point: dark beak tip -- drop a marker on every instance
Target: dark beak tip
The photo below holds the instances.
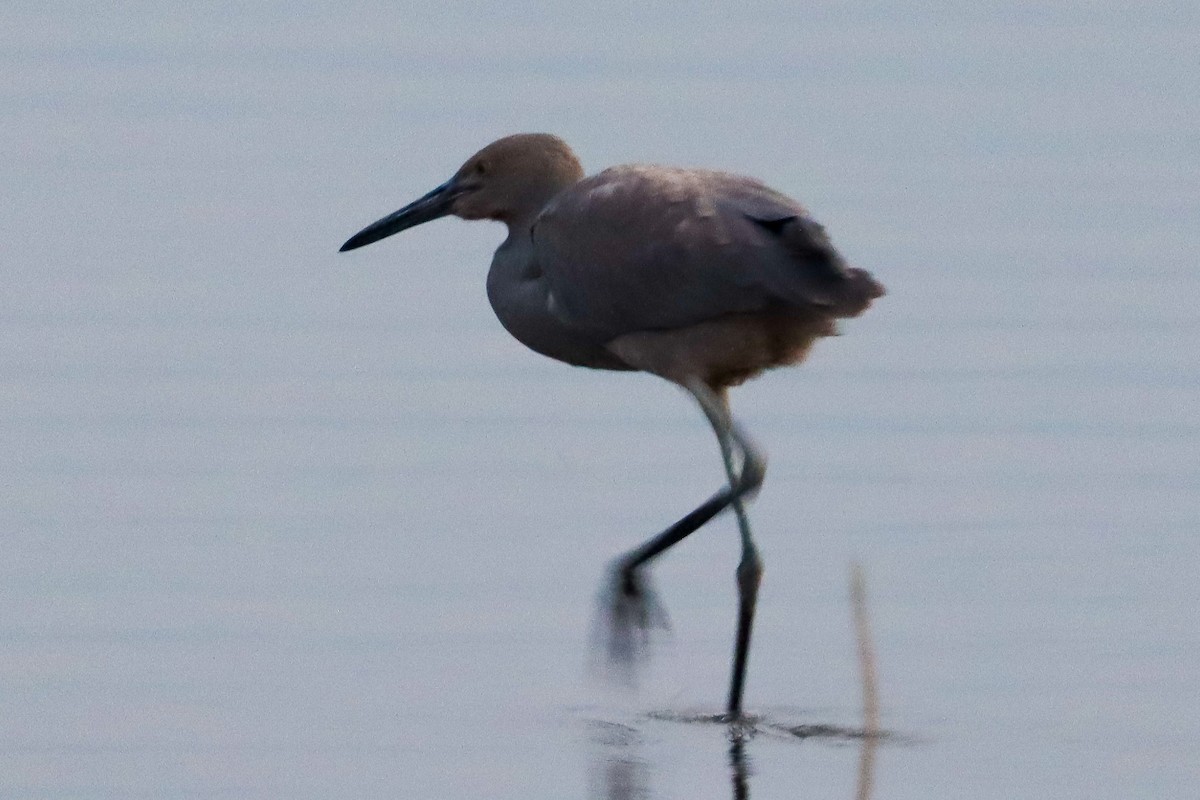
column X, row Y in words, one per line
column 435, row 204
column 361, row 239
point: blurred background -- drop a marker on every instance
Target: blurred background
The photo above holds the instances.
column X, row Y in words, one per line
column 282, row 522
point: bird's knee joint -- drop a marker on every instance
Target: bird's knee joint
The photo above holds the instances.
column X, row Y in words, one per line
column 754, row 470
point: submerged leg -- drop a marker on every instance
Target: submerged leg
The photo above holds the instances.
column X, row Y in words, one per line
column 750, row 569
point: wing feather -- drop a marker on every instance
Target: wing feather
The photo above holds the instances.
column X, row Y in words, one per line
column 638, row 248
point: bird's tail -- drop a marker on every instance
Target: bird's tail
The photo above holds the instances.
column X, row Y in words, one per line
column 825, row 278
column 857, row 289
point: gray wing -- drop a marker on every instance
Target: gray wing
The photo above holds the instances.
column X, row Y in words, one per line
column 639, row 248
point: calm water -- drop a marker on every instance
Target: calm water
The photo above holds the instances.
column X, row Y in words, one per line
column 280, row 522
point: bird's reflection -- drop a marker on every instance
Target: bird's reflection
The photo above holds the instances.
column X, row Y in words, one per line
column 625, row 779
column 618, row 771
column 624, row 770
column 738, row 768
column 621, row 772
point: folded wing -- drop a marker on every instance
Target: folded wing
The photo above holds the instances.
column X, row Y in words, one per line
column 639, row 248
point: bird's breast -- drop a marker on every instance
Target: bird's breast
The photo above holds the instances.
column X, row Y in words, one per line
column 526, row 306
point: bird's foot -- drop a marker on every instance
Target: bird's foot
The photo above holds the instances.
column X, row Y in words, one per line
column 632, row 612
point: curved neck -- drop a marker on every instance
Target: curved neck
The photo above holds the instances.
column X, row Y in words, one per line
column 524, row 206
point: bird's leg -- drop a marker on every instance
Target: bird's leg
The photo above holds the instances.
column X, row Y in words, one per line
column 632, row 607
column 750, row 568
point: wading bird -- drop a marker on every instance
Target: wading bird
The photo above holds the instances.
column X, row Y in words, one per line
column 703, row 278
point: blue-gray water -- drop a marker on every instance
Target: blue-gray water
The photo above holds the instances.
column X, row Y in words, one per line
column 279, row 522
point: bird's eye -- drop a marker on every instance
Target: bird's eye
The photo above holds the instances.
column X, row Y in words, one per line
column 480, row 168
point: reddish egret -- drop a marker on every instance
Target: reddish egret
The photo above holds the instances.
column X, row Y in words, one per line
column 702, row 278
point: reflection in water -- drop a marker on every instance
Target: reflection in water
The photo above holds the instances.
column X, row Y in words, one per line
column 737, row 766
column 618, row 773
column 866, row 765
column 622, row 771
column 625, row 779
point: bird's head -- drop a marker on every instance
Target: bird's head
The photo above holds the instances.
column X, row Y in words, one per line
column 510, row 180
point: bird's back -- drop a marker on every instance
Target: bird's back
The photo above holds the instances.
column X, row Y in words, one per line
column 647, row 248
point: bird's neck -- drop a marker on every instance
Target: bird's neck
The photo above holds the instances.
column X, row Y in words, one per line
column 520, row 223
column 523, row 207
column 514, row 257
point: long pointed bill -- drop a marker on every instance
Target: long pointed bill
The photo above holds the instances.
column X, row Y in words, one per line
column 433, row 205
